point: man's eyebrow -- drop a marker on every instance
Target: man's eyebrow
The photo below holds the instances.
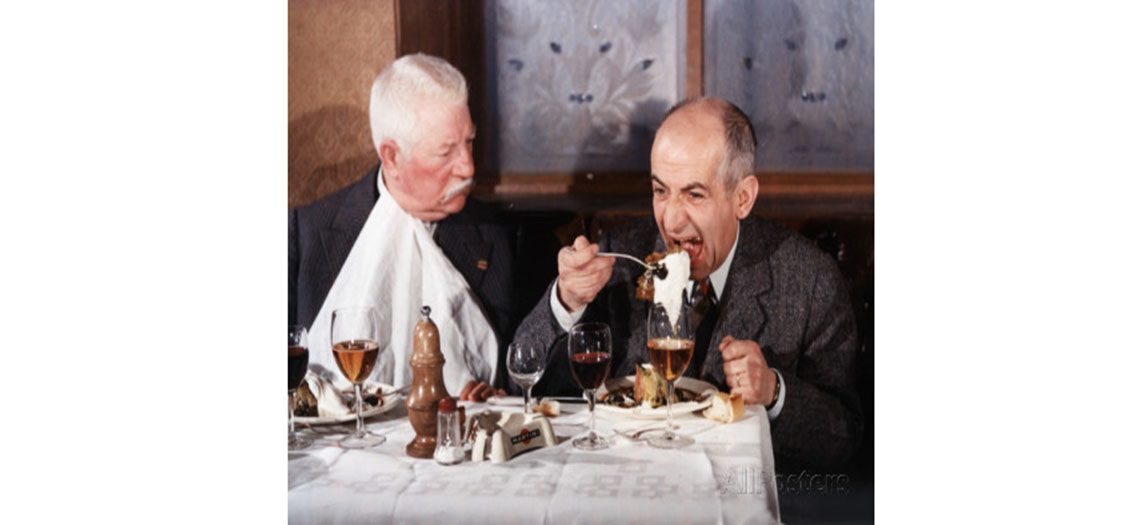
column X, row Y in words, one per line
column 695, row 186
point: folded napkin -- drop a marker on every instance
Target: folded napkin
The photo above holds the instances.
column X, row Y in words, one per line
column 328, row 399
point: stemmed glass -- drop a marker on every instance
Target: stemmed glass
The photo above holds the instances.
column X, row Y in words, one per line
column 590, row 350
column 298, row 365
column 355, row 346
column 670, row 345
column 526, row 363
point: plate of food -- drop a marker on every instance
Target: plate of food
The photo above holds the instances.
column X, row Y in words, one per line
column 320, row 403
column 645, row 399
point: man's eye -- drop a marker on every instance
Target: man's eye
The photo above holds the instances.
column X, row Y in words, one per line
column 658, row 191
column 695, row 195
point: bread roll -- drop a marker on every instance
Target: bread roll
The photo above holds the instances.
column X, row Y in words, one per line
column 724, row 409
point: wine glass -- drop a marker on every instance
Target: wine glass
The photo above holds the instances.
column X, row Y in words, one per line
column 590, row 350
column 355, row 345
column 670, row 345
column 298, row 365
column 526, row 363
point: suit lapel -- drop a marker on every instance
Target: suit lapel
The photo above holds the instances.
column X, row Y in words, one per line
column 336, row 240
column 742, row 311
column 462, row 242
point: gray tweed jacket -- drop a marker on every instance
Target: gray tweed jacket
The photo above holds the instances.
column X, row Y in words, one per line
column 781, row 292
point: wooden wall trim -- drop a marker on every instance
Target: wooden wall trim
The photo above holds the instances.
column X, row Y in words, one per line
column 813, row 183
column 780, row 194
column 693, row 84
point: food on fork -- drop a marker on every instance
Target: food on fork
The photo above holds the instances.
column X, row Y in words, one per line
column 645, row 286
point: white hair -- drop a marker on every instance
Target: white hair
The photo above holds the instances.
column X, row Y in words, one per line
column 401, row 86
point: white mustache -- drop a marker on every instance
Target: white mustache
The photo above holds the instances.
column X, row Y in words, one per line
column 449, row 194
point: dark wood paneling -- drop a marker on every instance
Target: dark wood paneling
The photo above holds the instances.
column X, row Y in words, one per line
column 453, row 30
column 693, row 84
column 800, row 195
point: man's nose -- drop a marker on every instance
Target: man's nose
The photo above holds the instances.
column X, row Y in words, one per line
column 675, row 218
column 464, row 167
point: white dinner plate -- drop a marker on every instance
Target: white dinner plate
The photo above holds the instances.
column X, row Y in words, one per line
column 389, row 402
column 643, row 412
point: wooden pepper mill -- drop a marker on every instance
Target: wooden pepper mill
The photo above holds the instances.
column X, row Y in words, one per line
column 427, row 387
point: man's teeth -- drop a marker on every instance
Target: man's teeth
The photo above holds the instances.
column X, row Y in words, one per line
column 692, row 246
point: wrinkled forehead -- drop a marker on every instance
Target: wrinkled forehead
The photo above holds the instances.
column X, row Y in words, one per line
column 689, row 140
column 441, row 122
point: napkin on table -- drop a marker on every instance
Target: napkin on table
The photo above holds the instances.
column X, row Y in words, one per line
column 328, row 399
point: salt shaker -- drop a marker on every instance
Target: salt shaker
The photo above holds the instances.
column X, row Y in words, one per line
column 449, row 451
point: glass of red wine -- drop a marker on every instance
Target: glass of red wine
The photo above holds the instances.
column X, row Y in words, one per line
column 355, row 345
column 670, row 345
column 298, row 365
column 589, row 348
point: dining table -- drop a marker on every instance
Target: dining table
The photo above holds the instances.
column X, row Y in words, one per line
column 725, row 476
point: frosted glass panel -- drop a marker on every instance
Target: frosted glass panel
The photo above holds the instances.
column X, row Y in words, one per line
column 803, row 70
column 580, row 85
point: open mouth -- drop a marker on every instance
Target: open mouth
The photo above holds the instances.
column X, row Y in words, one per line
column 694, row 248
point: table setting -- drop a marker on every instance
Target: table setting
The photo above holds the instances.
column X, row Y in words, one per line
column 651, row 447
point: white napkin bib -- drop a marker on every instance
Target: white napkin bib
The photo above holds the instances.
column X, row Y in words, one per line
column 396, row 267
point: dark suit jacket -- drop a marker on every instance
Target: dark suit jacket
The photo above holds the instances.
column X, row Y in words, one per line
column 781, row 292
column 322, row 234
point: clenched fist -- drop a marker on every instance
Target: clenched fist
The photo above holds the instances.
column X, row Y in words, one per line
column 747, row 373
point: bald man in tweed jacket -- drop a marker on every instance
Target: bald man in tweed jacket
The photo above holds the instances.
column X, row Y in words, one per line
column 785, row 335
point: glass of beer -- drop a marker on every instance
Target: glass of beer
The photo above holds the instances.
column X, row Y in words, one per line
column 298, row 365
column 590, row 351
column 670, row 345
column 355, row 345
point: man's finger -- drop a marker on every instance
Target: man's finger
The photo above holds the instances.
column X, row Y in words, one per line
column 734, row 351
column 475, row 395
column 465, row 392
column 734, row 368
column 577, row 258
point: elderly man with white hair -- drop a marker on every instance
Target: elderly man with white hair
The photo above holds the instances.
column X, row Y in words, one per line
column 408, row 234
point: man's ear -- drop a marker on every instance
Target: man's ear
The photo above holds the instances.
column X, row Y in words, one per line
column 391, row 157
column 745, row 193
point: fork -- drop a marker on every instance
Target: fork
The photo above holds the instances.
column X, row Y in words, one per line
column 636, row 434
column 658, row 268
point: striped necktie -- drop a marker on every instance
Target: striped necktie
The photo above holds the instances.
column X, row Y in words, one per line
column 706, row 313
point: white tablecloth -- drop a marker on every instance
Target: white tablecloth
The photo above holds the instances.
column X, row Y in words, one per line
column 727, row 476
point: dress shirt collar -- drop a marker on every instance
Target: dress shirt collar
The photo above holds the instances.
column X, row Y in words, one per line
column 719, row 276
